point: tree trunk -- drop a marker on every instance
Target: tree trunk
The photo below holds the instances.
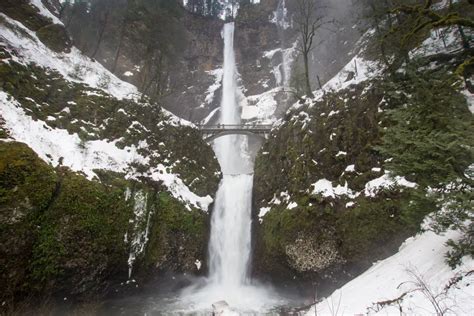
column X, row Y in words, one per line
column 73, row 11
column 465, row 41
column 309, row 93
column 119, row 47
column 156, row 78
column 61, row 11
column 101, row 34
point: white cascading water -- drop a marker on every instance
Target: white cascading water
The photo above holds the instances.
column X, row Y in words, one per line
column 230, row 241
column 229, row 247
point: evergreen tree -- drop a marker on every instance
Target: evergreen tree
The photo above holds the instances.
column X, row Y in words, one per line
column 214, row 8
column 430, row 140
column 197, row 6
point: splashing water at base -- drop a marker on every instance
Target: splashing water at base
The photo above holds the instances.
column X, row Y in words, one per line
column 229, row 254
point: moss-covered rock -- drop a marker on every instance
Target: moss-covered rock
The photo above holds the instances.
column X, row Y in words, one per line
column 178, row 237
column 59, row 232
column 64, row 235
column 27, row 187
column 81, row 237
column 55, row 37
column 308, row 235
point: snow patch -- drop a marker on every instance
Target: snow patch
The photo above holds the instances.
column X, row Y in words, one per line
column 442, row 40
column 263, row 212
column 260, row 107
column 292, row 205
column 361, row 69
column 326, row 189
column 269, row 54
column 386, row 182
column 211, row 91
column 198, row 264
column 350, row 168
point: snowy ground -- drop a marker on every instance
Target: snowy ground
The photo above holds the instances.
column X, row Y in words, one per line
column 419, row 262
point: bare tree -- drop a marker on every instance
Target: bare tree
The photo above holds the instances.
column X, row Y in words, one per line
column 103, row 21
column 440, row 299
column 307, row 20
column 125, row 23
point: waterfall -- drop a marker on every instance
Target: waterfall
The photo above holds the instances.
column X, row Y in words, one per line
column 229, row 247
column 230, row 240
column 283, row 23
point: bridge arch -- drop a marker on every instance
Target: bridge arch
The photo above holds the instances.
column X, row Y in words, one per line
column 209, row 138
column 212, row 132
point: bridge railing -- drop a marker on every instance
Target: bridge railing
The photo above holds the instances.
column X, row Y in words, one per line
column 218, row 127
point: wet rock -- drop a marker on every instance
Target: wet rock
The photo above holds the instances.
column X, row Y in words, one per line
column 222, row 308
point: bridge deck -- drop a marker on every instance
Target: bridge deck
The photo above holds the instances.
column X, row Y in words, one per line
column 236, row 128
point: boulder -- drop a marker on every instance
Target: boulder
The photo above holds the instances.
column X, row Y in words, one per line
column 221, row 308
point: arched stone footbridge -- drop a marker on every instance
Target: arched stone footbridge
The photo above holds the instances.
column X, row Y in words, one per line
column 211, row 132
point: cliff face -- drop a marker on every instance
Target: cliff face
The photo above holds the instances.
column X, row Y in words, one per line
column 197, row 70
column 188, row 81
column 179, row 79
column 256, row 35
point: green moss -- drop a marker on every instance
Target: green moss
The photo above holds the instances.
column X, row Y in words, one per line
column 367, row 231
column 58, row 230
column 82, row 231
column 55, row 37
column 26, row 182
column 175, row 230
column 27, row 187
